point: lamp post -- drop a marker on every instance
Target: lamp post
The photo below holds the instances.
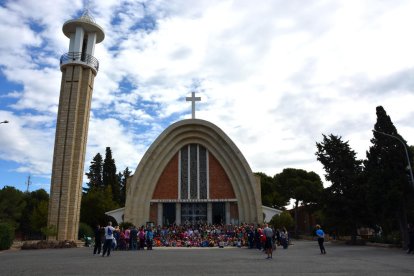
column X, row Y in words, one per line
column 406, row 153
column 4, row 122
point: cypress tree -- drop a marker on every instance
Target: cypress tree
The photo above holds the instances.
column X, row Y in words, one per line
column 95, row 173
column 110, row 177
column 123, row 181
column 344, row 201
column 386, row 172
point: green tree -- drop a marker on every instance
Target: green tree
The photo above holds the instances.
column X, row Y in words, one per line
column 123, row 183
column 95, row 173
column 303, row 187
column 344, row 202
column 271, row 192
column 110, row 177
column 386, row 170
column 38, row 218
column 12, row 203
column 6, row 235
column 282, row 220
column 34, row 215
column 94, row 205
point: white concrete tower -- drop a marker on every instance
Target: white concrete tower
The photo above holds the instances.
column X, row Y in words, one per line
column 79, row 68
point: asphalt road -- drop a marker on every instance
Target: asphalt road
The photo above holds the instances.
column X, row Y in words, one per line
column 302, row 258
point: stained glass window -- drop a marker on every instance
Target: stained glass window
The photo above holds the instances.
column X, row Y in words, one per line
column 193, row 171
column 203, row 171
column 184, row 172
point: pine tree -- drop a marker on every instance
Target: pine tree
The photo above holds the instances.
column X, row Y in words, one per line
column 386, row 172
column 302, row 186
column 344, row 200
column 124, row 177
column 95, row 173
column 110, row 177
column 272, row 195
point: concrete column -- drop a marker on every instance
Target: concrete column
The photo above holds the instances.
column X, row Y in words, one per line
column 178, row 213
column 209, row 213
column 72, row 42
column 159, row 214
column 77, row 46
column 90, row 47
column 227, row 207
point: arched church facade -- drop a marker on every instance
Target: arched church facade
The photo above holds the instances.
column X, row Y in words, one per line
column 193, row 173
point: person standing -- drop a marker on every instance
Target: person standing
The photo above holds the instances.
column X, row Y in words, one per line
column 127, row 233
column 98, row 240
column 149, row 237
column 284, row 238
column 250, row 237
column 141, row 236
column 411, row 238
column 109, row 236
column 133, row 238
column 268, row 233
column 321, row 238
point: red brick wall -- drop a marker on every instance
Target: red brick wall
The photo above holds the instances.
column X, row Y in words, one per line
column 154, row 213
column 167, row 185
column 220, row 186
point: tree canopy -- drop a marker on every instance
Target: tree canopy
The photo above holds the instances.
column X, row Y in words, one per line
column 95, row 173
column 106, row 189
column 344, row 202
column 388, row 185
column 272, row 192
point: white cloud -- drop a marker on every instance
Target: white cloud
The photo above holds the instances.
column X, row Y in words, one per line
column 273, row 76
column 28, row 141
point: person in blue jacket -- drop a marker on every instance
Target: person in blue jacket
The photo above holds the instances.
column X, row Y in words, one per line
column 321, row 238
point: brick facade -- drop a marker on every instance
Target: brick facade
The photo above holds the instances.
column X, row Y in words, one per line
column 167, row 184
column 220, row 185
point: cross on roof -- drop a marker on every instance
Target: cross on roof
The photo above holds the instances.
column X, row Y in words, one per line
column 193, row 99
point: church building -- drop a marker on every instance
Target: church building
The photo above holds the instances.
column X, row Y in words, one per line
column 192, row 173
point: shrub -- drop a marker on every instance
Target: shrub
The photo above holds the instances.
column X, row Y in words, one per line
column 49, row 231
column 391, row 238
column 282, row 220
column 84, row 230
column 48, row 244
column 6, row 236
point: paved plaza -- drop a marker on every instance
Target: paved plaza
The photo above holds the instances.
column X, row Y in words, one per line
column 302, row 258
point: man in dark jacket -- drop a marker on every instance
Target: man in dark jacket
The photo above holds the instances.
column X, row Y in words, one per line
column 98, row 240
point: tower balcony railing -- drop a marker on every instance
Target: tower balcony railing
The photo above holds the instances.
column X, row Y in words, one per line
column 80, row 58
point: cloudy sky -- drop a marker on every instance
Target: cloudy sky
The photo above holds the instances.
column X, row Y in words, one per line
column 274, row 75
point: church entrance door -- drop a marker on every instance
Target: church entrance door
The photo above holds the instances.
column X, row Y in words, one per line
column 219, row 213
column 193, row 213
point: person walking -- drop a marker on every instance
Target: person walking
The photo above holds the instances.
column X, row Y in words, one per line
column 109, row 236
column 268, row 232
column 321, row 238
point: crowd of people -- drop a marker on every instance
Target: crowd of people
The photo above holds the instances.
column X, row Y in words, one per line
column 202, row 235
